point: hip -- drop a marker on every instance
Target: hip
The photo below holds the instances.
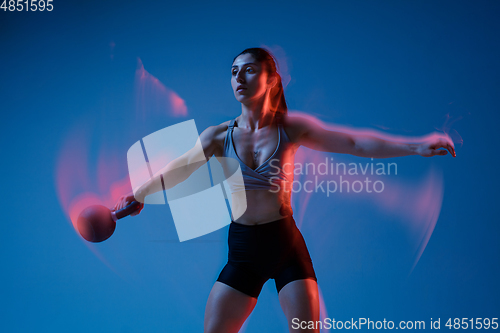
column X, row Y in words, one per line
column 271, row 242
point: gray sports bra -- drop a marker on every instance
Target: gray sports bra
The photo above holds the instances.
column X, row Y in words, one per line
column 267, row 175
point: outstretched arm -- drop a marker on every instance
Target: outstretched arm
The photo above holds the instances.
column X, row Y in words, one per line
column 176, row 171
column 366, row 143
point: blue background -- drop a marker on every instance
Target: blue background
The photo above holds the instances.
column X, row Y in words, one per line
column 398, row 65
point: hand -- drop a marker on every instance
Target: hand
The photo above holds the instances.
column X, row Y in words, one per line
column 432, row 144
column 124, row 201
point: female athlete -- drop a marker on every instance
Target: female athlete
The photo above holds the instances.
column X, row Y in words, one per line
column 264, row 242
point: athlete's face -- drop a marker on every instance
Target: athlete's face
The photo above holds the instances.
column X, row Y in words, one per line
column 249, row 78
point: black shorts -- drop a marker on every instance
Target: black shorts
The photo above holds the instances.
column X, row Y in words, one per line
column 274, row 250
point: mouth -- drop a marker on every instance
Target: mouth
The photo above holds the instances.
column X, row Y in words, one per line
column 240, row 88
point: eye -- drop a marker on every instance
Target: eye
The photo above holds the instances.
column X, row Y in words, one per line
column 250, row 69
column 233, row 72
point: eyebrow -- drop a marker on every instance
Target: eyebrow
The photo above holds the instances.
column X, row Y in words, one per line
column 248, row 63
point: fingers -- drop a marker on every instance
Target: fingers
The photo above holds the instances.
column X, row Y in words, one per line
column 452, row 150
column 440, row 143
column 443, row 144
column 138, row 210
column 124, row 201
column 121, row 203
column 447, row 146
column 117, row 204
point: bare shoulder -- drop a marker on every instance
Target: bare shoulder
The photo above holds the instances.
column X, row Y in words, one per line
column 212, row 138
column 295, row 126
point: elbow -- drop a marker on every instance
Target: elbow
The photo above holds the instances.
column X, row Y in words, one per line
column 360, row 147
column 357, row 147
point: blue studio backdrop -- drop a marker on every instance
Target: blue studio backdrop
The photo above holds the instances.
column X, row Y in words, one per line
column 84, row 81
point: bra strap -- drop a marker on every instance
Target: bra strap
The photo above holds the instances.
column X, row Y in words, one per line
column 231, row 124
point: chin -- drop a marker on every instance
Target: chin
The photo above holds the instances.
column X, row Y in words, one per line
column 240, row 98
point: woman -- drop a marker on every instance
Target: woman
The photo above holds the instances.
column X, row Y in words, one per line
column 264, row 241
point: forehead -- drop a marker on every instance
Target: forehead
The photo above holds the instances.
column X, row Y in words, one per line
column 245, row 59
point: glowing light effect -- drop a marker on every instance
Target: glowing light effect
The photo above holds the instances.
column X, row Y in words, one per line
column 282, row 63
column 416, row 204
column 153, row 97
column 76, row 189
column 80, row 185
column 446, row 128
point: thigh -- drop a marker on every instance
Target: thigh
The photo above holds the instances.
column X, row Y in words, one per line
column 299, row 299
column 227, row 309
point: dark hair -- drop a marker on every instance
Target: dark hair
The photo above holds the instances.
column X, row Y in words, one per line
column 277, row 95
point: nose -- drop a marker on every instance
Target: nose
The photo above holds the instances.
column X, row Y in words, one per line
column 239, row 77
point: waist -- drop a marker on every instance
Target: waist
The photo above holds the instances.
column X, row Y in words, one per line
column 258, row 207
column 279, row 231
column 268, row 240
column 266, row 225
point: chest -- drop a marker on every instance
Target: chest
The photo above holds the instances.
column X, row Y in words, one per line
column 255, row 147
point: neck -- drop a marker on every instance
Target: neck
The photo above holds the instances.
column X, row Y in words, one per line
column 256, row 114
